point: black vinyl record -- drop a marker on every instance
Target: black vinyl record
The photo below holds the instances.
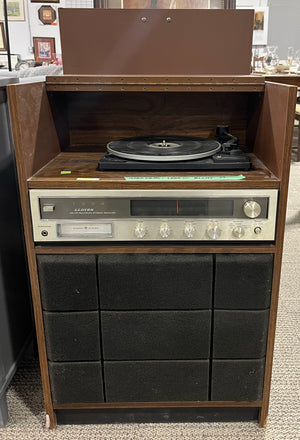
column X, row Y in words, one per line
column 163, row 148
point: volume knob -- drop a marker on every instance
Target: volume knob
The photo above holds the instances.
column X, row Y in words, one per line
column 213, row 231
column 140, row 230
column 164, row 230
column 252, row 209
column 238, row 232
column 189, row 230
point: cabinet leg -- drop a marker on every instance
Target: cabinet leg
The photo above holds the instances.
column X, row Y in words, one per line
column 263, row 417
column 50, row 422
column 3, row 411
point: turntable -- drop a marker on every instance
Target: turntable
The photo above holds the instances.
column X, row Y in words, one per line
column 169, row 152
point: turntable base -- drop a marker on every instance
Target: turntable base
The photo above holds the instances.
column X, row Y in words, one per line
column 221, row 161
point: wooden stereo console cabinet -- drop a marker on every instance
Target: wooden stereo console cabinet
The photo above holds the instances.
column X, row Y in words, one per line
column 147, row 331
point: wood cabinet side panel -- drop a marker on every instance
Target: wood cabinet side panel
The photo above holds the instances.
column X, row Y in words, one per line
column 283, row 158
column 275, row 126
column 34, row 132
column 22, row 171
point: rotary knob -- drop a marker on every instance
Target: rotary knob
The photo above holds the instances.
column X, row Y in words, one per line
column 189, row 230
column 213, row 231
column 164, row 230
column 140, row 230
column 252, row 209
column 238, row 232
column 257, row 230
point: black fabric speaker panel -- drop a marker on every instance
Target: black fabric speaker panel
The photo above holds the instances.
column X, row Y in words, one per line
column 76, row 382
column 240, row 334
column 146, row 381
column 156, row 281
column 156, row 335
column 237, row 379
column 68, row 282
column 243, row 281
column 72, row 336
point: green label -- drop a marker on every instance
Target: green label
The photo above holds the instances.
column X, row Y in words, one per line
column 65, row 172
column 183, row 178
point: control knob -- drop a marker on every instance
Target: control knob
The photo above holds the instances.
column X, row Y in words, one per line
column 252, row 209
column 164, row 230
column 213, row 231
column 257, row 230
column 238, row 232
column 189, row 230
column 140, row 230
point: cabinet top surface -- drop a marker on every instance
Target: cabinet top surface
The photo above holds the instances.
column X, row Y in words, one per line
column 165, row 83
column 79, row 170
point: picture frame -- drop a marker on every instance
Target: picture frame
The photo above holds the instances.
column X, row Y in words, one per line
column 2, row 38
column 47, row 14
column 260, row 25
column 44, row 49
column 15, row 10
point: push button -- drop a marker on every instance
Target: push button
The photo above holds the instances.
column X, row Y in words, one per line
column 48, row 208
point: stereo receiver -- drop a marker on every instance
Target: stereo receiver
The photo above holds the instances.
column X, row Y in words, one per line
column 153, row 215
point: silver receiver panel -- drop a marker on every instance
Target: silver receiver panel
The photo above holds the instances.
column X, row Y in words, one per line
column 153, row 215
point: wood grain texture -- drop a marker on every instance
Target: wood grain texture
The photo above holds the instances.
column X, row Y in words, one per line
column 204, row 404
column 293, row 80
column 276, row 120
column 137, row 248
column 85, row 121
column 97, row 118
column 285, row 171
column 155, row 83
column 38, row 141
column 83, row 165
column 155, row 79
column 155, row 88
column 16, row 102
column 169, row 49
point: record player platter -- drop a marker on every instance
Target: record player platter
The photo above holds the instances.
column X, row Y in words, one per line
column 163, row 148
column 170, row 152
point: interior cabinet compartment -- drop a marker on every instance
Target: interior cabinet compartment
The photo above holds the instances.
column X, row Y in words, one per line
column 156, row 335
column 155, row 381
column 72, row 336
column 68, row 282
column 76, row 382
column 240, row 334
column 92, row 119
column 243, row 281
column 239, row 380
column 159, row 281
column 76, row 121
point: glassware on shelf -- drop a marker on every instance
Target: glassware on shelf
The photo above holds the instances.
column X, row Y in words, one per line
column 295, row 65
column 257, row 60
column 290, row 57
column 271, row 60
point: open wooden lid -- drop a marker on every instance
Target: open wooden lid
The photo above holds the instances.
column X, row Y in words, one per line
column 156, row 41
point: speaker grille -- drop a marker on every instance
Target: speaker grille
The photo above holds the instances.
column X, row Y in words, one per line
column 68, row 282
column 237, row 379
column 159, row 281
column 243, row 281
column 156, row 335
column 156, row 381
column 72, row 336
column 76, row 382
